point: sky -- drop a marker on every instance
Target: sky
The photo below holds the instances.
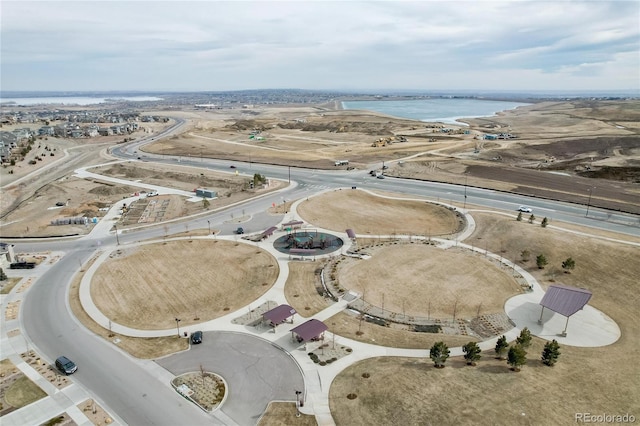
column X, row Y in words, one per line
column 320, row 45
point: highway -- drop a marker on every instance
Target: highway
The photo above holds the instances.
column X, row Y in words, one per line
column 137, row 392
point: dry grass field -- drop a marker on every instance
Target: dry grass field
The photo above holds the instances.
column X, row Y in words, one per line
column 194, row 280
column 595, row 380
column 407, row 278
column 377, row 215
column 300, row 288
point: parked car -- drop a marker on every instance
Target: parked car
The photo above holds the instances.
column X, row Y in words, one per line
column 152, row 193
column 380, row 176
column 65, row 365
column 525, row 209
column 196, row 337
column 240, row 230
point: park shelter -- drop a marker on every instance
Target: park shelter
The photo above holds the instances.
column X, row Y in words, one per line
column 310, row 330
column 278, row 315
column 565, row 301
column 351, row 234
column 269, row 232
column 294, row 224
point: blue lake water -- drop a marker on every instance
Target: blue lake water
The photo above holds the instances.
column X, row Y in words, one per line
column 75, row 100
column 442, row 110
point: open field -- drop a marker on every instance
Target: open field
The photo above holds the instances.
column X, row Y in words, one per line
column 406, row 278
column 378, row 215
column 596, row 380
column 194, row 280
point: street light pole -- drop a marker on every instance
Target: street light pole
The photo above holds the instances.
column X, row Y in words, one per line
column 289, row 174
column 117, row 239
column 178, row 325
column 209, row 223
column 588, row 202
column 298, row 403
column 465, row 192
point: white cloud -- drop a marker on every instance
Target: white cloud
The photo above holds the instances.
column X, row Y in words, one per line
column 216, row 45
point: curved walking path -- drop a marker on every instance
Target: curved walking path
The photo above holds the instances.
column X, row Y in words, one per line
column 588, row 327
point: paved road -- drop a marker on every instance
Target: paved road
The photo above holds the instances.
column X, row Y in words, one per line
column 256, row 371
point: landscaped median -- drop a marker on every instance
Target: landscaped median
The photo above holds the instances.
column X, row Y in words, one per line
column 205, row 389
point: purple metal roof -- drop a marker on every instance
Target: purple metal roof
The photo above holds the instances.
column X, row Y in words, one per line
column 279, row 314
column 269, row 231
column 302, row 251
column 310, row 329
column 565, row 300
column 293, row 223
column 350, row 233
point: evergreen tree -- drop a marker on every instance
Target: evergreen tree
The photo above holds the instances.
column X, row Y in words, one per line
column 471, row 353
column 519, row 218
column 550, row 353
column 568, row 265
column 501, row 347
column 525, row 255
column 524, row 339
column 532, row 218
column 439, row 353
column 541, row 261
column 544, row 223
column 517, row 357
column 3, row 276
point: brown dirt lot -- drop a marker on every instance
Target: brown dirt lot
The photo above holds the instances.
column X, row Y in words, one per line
column 194, row 280
column 585, row 143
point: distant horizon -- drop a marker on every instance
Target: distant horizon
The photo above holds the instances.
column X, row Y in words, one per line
column 369, row 92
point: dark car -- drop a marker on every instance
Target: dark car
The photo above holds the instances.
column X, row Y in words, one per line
column 232, row 167
column 65, row 365
column 196, row 337
column 240, row 230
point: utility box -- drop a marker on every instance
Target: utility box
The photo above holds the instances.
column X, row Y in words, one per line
column 206, row 193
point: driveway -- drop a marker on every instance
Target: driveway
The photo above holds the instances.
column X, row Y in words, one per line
column 256, row 372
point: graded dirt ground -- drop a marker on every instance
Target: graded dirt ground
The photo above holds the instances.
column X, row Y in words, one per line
column 147, row 287
column 409, row 391
column 561, row 149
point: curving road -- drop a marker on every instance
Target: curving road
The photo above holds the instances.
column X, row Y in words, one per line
column 138, row 391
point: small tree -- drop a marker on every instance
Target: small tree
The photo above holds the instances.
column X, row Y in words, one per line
column 524, row 339
column 439, row 353
column 519, row 218
column 205, row 203
column 544, row 222
column 3, row 276
column 532, row 218
column 501, row 347
column 550, row 353
column 568, row 265
column 525, row 255
column 517, row 357
column 541, row 261
column 471, row 353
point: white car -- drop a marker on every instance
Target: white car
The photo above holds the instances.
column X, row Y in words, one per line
column 525, row 209
column 152, row 194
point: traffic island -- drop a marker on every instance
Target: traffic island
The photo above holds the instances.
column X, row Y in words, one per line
column 203, row 388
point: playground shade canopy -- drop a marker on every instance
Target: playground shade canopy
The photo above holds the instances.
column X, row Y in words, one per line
column 310, row 329
column 565, row 300
column 279, row 314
